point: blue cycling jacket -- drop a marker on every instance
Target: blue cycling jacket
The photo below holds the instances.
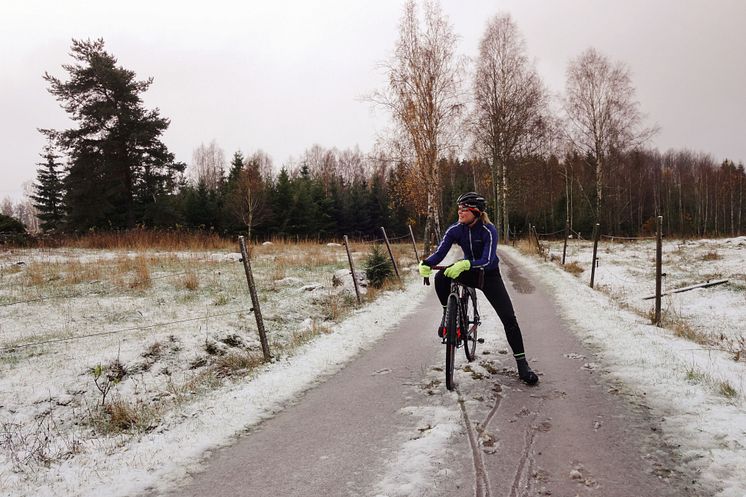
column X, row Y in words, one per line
column 478, row 242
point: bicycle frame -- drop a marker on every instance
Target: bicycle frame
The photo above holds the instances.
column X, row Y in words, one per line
column 459, row 327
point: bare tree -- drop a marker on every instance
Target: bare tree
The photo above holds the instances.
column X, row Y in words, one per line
column 424, row 96
column 264, row 163
column 352, row 165
column 510, row 103
column 322, row 164
column 247, row 199
column 208, row 165
column 27, row 213
column 7, row 208
column 602, row 113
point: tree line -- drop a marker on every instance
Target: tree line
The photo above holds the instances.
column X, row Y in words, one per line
column 588, row 163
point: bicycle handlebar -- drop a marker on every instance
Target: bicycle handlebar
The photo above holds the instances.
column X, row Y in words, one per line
column 426, row 281
column 437, row 268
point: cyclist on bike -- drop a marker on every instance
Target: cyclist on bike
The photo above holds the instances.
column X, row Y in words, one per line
column 477, row 237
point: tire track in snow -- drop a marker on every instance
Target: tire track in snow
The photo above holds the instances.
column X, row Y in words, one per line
column 525, row 457
column 482, row 484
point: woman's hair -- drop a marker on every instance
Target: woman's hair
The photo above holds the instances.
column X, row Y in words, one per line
column 485, row 218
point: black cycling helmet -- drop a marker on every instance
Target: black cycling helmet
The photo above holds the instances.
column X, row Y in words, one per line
column 473, row 200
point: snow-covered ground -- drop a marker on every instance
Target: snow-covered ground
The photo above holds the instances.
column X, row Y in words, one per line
column 697, row 388
column 174, row 341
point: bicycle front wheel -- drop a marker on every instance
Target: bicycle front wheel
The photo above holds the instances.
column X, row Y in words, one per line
column 451, row 339
column 471, row 323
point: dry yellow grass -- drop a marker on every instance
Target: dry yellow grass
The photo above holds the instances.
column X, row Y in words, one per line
column 573, row 268
column 77, row 272
column 234, row 362
column 140, row 239
column 711, row 256
column 37, row 274
column 141, row 278
column 121, row 416
column 190, row 281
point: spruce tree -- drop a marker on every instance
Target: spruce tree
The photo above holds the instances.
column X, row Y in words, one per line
column 47, row 197
column 237, row 165
column 282, row 202
column 119, row 169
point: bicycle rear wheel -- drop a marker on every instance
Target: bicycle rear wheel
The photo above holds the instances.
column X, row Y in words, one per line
column 471, row 323
column 451, row 339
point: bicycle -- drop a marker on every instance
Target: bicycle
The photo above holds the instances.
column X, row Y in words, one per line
column 461, row 323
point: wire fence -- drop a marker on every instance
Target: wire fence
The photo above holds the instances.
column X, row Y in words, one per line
column 96, row 293
column 551, row 234
column 14, row 348
column 102, row 292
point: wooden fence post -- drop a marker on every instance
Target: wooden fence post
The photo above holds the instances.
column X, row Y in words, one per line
column 414, row 244
column 391, row 254
column 254, row 299
column 658, row 268
column 567, row 234
column 539, row 250
column 352, row 270
column 596, row 234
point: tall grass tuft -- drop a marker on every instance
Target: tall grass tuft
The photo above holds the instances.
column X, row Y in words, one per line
column 142, row 239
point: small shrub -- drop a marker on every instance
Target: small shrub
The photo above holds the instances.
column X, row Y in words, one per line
column 221, row 299
column 235, row 362
column 373, row 293
column 378, row 267
column 106, row 377
column 142, row 275
column 233, row 340
column 212, row 348
column 694, row 376
column 122, row 416
column 711, row 256
column 190, row 281
column 727, row 390
column 573, row 268
column 336, row 306
column 35, row 274
column 198, row 362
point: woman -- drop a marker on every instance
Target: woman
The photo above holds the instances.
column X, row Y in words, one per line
column 477, row 237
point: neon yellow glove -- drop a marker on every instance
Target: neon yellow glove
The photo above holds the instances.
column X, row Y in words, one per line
column 457, row 269
column 425, row 270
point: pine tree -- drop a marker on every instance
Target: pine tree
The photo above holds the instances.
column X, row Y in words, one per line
column 119, row 169
column 237, row 165
column 282, row 203
column 48, row 191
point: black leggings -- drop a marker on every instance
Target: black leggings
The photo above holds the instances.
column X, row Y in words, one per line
column 497, row 295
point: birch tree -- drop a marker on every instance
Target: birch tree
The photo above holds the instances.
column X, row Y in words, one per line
column 602, row 113
column 208, row 166
column 510, row 103
column 424, row 97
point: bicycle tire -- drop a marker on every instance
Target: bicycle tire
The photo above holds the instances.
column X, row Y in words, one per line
column 451, row 340
column 470, row 316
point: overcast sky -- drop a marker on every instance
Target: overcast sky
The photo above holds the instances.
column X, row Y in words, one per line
column 282, row 75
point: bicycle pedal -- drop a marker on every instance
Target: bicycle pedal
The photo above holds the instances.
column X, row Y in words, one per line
column 480, row 340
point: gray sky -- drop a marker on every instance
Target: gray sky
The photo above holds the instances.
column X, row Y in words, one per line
column 281, row 75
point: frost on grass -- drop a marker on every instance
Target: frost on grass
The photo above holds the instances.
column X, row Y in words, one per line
column 160, row 339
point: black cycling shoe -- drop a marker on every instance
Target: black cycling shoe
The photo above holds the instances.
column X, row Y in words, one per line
column 442, row 328
column 525, row 373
